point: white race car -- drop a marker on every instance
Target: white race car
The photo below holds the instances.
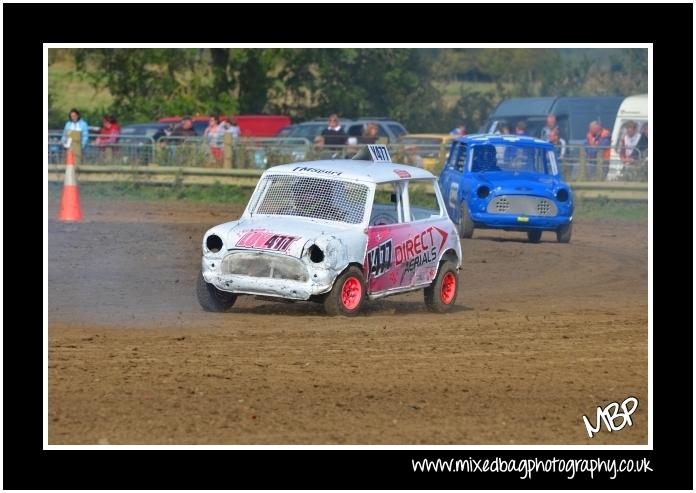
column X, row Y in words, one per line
column 336, row 232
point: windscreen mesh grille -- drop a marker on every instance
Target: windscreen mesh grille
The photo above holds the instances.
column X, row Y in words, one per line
column 317, row 198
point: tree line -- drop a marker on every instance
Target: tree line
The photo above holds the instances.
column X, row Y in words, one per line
column 413, row 86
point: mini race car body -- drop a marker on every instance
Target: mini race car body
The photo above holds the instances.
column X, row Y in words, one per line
column 506, row 182
column 337, row 232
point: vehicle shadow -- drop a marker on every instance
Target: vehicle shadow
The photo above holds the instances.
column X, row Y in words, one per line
column 521, row 239
column 309, row 309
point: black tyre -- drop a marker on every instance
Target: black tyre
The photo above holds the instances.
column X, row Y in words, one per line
column 564, row 233
column 534, row 236
column 466, row 225
column 347, row 295
column 211, row 298
column 441, row 295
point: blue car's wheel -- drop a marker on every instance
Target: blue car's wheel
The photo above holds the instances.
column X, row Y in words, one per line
column 534, row 236
column 564, row 232
column 466, row 225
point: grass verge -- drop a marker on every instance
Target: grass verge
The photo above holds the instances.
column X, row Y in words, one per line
column 601, row 208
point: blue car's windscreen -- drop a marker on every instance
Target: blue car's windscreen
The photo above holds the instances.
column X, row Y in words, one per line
column 511, row 157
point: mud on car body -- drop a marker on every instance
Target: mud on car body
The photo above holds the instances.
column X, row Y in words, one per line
column 337, row 232
column 506, row 182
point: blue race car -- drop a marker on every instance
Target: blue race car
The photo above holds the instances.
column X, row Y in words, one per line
column 506, row 182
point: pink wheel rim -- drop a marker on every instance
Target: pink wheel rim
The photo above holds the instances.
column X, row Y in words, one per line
column 351, row 293
column 449, row 287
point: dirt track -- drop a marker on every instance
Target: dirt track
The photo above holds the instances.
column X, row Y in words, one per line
column 542, row 335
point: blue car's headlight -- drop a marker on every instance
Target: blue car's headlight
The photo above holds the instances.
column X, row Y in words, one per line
column 483, row 192
column 562, row 195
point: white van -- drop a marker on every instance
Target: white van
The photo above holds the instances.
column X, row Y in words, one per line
column 633, row 108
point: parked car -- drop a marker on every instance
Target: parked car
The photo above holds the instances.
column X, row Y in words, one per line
column 387, row 130
column 337, row 232
column 142, row 136
column 140, row 130
column 506, row 182
column 431, row 148
column 312, row 128
column 285, row 131
column 249, row 125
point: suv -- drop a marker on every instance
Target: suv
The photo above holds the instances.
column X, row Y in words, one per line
column 336, row 232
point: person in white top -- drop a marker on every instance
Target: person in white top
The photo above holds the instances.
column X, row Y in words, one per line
column 230, row 125
column 628, row 143
column 558, row 142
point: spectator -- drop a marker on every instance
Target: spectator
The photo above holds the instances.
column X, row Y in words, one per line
column 351, row 147
column 642, row 145
column 558, row 143
column 370, row 134
column 412, row 157
column 597, row 137
column 521, row 128
column 214, row 137
column 75, row 122
column 319, row 143
column 108, row 137
column 459, row 130
column 160, row 137
column 232, row 127
column 511, row 152
column 628, row 143
column 333, row 134
column 110, row 130
column 550, row 126
column 185, row 128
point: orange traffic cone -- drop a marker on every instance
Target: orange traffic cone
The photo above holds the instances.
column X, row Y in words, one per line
column 70, row 200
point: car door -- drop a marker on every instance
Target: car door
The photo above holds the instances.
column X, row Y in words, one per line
column 404, row 253
column 450, row 179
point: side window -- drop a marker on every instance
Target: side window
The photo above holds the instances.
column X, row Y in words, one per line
column 422, row 198
column 385, row 207
column 452, row 155
column 460, row 164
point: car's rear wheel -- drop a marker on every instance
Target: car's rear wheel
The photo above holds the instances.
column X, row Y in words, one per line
column 347, row 295
column 466, row 225
column 441, row 295
column 564, row 233
column 211, row 298
column 534, row 236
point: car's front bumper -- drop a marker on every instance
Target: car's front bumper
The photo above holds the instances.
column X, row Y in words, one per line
column 519, row 222
column 319, row 281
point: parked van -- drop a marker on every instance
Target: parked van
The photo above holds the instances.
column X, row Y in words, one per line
column 573, row 115
column 635, row 109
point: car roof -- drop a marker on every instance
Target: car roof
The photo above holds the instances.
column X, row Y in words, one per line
column 475, row 139
column 352, row 169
